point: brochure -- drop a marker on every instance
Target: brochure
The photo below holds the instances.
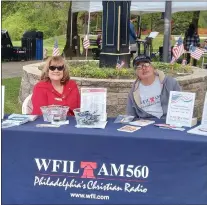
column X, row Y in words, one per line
column 128, row 128
column 201, row 129
column 14, row 122
column 204, row 115
column 30, row 117
column 2, row 101
column 8, row 123
column 141, row 122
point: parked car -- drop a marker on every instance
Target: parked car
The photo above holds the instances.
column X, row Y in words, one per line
column 8, row 51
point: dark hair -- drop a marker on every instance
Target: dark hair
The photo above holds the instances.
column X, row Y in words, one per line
column 191, row 30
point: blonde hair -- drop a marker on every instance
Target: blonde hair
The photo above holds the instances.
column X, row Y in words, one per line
column 56, row 59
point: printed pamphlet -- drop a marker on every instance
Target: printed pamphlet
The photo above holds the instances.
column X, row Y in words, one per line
column 141, row 122
column 128, row 128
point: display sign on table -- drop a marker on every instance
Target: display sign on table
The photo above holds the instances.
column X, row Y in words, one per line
column 201, row 129
column 180, row 108
column 94, row 100
column 2, row 101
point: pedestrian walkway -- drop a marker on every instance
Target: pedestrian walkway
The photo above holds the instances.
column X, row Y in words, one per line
column 14, row 69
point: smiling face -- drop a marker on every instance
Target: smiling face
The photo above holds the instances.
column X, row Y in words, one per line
column 145, row 70
column 55, row 72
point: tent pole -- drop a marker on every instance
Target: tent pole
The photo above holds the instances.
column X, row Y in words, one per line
column 167, row 32
column 71, row 29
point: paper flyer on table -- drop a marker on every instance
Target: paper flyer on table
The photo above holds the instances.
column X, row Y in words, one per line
column 2, row 101
column 94, row 100
column 180, row 108
column 201, row 129
column 204, row 115
column 198, row 131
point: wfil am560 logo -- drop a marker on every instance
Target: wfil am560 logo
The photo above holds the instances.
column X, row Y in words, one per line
column 91, row 175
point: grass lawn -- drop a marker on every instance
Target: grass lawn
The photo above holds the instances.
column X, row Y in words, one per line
column 11, row 104
column 49, row 43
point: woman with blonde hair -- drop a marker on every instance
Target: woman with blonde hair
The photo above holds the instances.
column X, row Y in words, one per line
column 55, row 87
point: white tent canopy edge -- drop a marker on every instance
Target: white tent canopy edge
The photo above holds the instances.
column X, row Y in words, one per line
column 138, row 7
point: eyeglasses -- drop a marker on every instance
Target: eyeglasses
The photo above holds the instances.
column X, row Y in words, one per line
column 139, row 67
column 59, row 68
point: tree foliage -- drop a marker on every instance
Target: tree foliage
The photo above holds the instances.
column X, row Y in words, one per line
column 51, row 18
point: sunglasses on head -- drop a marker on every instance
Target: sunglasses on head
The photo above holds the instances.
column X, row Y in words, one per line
column 59, row 68
column 143, row 65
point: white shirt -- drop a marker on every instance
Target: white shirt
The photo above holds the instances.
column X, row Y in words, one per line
column 150, row 98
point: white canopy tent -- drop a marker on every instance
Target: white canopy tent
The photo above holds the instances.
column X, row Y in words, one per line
column 138, row 7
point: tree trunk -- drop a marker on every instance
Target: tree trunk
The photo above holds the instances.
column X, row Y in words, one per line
column 67, row 49
column 195, row 19
column 76, row 38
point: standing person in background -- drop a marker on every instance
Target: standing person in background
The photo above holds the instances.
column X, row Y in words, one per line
column 132, row 38
column 191, row 38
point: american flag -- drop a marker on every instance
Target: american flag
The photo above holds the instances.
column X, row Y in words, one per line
column 86, row 42
column 119, row 64
column 177, row 50
column 56, row 51
column 195, row 52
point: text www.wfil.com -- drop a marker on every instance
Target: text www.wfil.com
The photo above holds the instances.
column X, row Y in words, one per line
column 89, row 196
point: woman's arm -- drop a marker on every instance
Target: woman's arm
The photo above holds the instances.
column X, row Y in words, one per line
column 39, row 98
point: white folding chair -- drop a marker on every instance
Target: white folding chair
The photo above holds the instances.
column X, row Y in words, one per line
column 27, row 105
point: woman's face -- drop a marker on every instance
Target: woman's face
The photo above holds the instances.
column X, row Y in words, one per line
column 56, row 71
column 145, row 70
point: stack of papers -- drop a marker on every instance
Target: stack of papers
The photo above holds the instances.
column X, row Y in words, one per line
column 141, row 122
column 17, row 119
column 199, row 130
column 30, row 117
column 128, row 128
column 14, row 121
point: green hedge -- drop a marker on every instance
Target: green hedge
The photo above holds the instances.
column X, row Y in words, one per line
column 91, row 70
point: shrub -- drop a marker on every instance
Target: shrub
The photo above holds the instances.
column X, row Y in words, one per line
column 90, row 69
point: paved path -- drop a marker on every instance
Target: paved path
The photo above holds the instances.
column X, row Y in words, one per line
column 14, row 69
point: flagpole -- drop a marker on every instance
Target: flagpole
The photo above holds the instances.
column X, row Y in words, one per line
column 89, row 19
column 71, row 28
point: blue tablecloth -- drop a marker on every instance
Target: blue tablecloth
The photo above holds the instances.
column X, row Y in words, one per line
column 68, row 165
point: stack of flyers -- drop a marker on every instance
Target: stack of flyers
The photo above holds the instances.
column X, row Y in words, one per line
column 7, row 124
column 30, row 117
column 124, row 119
column 14, row 121
column 128, row 128
column 141, row 122
column 18, row 120
column 172, row 127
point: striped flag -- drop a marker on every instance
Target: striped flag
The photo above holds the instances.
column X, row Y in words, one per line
column 86, row 42
column 56, row 51
column 195, row 52
column 177, row 50
column 119, row 64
